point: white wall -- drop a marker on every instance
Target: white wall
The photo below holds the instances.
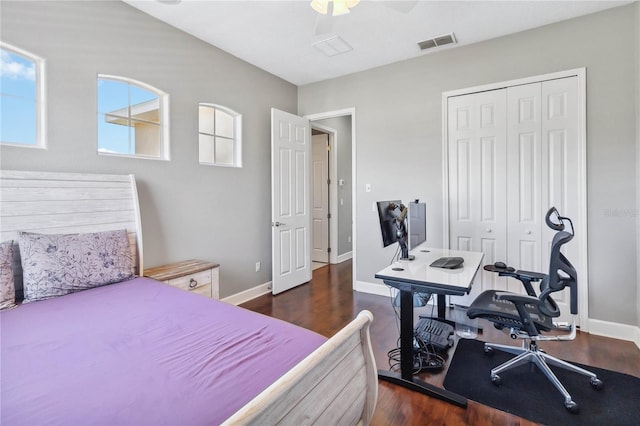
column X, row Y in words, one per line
column 399, row 145
column 188, row 210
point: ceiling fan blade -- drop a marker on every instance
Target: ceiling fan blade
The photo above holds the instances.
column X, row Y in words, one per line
column 401, row 6
column 324, row 24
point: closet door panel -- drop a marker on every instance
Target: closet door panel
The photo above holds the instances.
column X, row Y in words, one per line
column 513, row 153
column 561, row 168
column 477, row 180
column 524, row 172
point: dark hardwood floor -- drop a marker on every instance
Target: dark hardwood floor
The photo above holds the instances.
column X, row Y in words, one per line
column 327, row 303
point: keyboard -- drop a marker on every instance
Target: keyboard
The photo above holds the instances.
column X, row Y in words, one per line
column 434, row 332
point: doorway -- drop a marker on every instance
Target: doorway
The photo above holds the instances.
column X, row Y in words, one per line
column 320, row 186
column 339, row 126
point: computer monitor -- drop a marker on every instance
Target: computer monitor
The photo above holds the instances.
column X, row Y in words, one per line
column 394, row 225
column 388, row 212
column 417, row 224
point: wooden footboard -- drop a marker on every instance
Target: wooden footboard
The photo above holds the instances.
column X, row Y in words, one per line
column 336, row 384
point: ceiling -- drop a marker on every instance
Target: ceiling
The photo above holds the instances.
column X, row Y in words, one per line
column 279, row 36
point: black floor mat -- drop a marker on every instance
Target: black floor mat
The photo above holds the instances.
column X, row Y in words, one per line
column 527, row 393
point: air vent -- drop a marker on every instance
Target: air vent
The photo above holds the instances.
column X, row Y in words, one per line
column 437, row 41
column 333, row 46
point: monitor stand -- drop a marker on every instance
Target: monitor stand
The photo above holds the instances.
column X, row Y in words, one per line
column 404, row 250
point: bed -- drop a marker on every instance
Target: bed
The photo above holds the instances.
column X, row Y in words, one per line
column 137, row 351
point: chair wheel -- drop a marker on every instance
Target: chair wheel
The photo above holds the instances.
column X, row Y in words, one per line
column 488, row 350
column 496, row 380
column 572, row 407
column 596, row 383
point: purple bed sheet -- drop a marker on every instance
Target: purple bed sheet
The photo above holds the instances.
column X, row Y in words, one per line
column 139, row 352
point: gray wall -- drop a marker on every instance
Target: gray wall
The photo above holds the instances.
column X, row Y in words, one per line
column 637, row 37
column 188, row 210
column 399, row 137
column 342, row 126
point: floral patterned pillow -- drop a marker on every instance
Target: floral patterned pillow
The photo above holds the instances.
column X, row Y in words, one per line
column 58, row 264
column 7, row 289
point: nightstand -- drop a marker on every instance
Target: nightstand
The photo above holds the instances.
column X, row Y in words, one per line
column 191, row 275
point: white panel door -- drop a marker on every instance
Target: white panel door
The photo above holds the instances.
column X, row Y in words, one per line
column 477, row 181
column 561, row 170
column 501, row 183
column 290, row 184
column 320, row 198
column 524, row 183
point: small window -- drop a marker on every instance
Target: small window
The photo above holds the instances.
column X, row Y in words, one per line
column 219, row 134
column 132, row 119
column 22, row 114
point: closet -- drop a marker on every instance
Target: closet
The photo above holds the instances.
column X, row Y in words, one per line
column 511, row 153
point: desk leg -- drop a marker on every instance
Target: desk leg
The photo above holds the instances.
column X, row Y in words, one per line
column 424, row 388
column 406, row 334
column 405, row 378
column 442, row 313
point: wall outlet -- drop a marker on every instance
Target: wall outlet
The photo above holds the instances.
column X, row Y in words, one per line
column 258, row 266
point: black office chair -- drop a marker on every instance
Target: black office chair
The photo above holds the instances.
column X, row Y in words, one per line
column 526, row 316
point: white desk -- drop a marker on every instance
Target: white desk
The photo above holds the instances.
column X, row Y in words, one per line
column 416, row 275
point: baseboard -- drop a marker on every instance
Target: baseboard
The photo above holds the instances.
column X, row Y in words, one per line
column 615, row 330
column 246, row 295
column 344, row 257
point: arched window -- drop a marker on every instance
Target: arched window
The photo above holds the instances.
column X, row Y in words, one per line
column 219, row 135
column 22, row 117
column 132, row 118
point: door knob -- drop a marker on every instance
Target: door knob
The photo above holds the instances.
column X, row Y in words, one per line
column 489, row 230
column 528, row 232
column 278, row 224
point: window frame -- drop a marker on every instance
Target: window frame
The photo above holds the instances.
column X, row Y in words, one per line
column 237, row 135
column 40, row 94
column 163, row 106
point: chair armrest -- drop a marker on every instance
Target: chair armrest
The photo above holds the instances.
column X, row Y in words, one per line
column 518, row 299
column 533, row 276
column 525, row 277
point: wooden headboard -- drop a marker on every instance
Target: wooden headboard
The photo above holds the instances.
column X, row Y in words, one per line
column 67, row 203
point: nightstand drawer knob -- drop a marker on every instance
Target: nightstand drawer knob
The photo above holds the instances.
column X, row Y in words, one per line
column 193, row 283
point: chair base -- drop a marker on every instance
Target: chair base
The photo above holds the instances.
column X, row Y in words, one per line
column 535, row 355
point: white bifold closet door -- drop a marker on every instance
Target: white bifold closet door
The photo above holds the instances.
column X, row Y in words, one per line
column 513, row 153
column 477, row 152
